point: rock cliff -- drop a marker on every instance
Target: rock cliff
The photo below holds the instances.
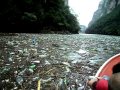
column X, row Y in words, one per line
column 105, row 7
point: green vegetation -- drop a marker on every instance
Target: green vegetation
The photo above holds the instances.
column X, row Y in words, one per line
column 108, row 24
column 38, row 15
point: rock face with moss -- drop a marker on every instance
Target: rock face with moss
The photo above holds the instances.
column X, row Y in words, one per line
column 105, row 7
column 38, row 16
column 106, row 18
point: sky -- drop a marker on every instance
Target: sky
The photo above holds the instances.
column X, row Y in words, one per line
column 84, row 9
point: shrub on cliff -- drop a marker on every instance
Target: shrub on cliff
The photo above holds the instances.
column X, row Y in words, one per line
column 108, row 24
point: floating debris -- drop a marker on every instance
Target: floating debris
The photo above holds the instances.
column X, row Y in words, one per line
column 55, row 62
column 67, row 64
column 36, row 61
column 19, row 80
column 82, row 51
column 43, row 56
column 10, row 59
column 47, row 62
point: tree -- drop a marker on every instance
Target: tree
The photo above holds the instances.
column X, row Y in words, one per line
column 38, row 15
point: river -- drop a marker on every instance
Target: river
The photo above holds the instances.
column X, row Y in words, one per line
column 60, row 62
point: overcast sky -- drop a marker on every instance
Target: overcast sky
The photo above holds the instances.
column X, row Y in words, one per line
column 84, row 9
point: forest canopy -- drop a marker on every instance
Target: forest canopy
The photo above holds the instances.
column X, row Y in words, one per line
column 38, row 15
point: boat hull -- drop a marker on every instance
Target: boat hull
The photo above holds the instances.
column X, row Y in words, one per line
column 106, row 68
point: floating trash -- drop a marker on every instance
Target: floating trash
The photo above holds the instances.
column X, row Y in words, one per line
column 7, row 80
column 19, row 80
column 12, row 53
column 81, row 88
column 33, row 51
column 30, row 70
column 47, row 63
column 39, row 85
column 67, row 64
column 15, row 88
column 32, row 66
column 56, row 63
column 36, row 61
column 43, row 56
column 82, row 51
column 11, row 43
column 10, row 59
column 35, row 78
column 67, row 69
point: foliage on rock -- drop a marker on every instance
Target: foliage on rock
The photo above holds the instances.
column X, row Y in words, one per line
column 38, row 15
column 108, row 24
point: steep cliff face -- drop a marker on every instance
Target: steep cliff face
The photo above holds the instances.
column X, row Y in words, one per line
column 106, row 19
column 105, row 7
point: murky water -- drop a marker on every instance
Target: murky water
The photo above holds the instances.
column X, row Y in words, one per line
column 60, row 62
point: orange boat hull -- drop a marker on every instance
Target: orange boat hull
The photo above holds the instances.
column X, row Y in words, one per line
column 106, row 68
